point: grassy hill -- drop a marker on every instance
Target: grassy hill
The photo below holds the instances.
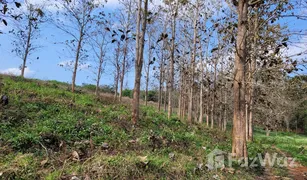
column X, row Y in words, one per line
column 47, row 132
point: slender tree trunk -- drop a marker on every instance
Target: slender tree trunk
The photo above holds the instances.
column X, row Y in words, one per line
column 146, row 88
column 184, row 108
column 117, row 73
column 172, row 62
column 239, row 148
column 148, row 70
column 267, row 130
column 207, row 95
column 221, row 97
column 79, row 46
column 252, row 79
column 165, row 97
column 201, row 104
column 139, row 59
column 125, row 55
column 122, row 76
column 116, row 85
column 213, row 95
column 190, row 109
column 162, row 72
column 27, row 50
column 225, row 109
column 201, row 98
column 99, row 72
column 180, row 94
column 160, row 83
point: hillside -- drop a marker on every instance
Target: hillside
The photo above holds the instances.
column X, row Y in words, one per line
column 47, row 132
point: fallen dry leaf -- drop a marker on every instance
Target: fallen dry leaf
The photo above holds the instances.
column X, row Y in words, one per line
column 44, row 162
column 75, row 156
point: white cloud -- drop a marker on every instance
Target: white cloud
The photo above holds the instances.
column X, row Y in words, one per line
column 17, row 72
column 298, row 49
column 112, row 4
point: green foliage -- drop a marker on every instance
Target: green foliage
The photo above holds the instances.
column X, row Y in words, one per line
column 89, row 87
column 128, row 93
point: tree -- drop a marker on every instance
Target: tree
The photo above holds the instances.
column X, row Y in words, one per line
column 26, row 31
column 100, row 40
column 125, row 20
column 149, row 62
column 140, row 38
column 116, row 64
column 239, row 147
column 192, row 66
column 79, row 15
column 174, row 10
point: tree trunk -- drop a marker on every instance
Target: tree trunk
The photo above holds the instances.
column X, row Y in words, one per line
column 267, row 131
column 162, row 72
column 239, row 148
column 190, row 108
column 116, row 85
column 180, row 93
column 201, row 98
column 207, row 95
column 221, row 97
column 160, row 89
column 117, row 73
column 122, row 76
column 165, row 98
column 225, row 110
column 201, row 104
column 139, row 59
column 99, row 72
column 125, row 55
column 74, row 75
column 172, row 62
column 252, row 79
column 161, row 82
column 24, row 64
column 147, row 70
column 213, row 95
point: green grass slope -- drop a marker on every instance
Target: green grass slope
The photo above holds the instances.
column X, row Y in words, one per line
column 293, row 145
column 46, row 132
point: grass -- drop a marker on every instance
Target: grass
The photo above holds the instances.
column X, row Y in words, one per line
column 293, row 144
column 45, row 126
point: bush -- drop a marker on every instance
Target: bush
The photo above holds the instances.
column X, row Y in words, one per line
column 107, row 89
column 90, row 87
column 127, row 93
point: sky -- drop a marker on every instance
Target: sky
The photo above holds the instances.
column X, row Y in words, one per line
column 51, row 55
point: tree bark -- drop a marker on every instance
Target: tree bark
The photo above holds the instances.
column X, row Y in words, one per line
column 180, row 93
column 148, row 70
column 125, row 54
column 122, row 76
column 225, row 110
column 190, row 108
column 74, row 76
column 172, row 62
column 139, row 59
column 99, row 72
column 239, row 148
column 117, row 73
column 24, row 64
column 252, row 79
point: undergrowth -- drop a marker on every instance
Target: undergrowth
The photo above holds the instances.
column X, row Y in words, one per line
column 47, row 132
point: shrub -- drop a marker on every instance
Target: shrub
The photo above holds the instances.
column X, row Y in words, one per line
column 127, row 93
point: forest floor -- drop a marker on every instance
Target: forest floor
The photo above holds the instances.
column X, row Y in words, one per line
column 47, row 132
